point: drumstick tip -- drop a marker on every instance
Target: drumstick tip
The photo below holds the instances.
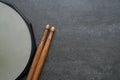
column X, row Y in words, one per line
column 52, row 29
column 47, row 26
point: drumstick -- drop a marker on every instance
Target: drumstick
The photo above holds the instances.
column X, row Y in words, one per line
column 43, row 55
column 38, row 53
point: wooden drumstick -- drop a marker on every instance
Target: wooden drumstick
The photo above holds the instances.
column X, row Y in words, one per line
column 38, row 53
column 43, row 55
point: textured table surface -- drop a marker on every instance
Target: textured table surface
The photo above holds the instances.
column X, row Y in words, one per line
column 86, row 44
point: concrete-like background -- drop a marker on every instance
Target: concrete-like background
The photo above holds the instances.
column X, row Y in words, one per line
column 86, row 44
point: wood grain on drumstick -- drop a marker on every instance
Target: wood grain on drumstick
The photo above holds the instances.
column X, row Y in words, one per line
column 38, row 53
column 43, row 55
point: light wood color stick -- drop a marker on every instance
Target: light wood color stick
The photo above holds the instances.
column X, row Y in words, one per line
column 38, row 53
column 43, row 55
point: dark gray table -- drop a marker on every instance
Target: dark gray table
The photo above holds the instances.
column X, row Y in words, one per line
column 86, row 44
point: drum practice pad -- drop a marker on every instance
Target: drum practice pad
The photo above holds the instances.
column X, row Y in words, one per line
column 17, row 43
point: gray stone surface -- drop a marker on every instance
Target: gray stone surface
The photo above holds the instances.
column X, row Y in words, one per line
column 86, row 44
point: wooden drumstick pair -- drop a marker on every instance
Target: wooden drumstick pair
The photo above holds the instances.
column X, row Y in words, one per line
column 40, row 55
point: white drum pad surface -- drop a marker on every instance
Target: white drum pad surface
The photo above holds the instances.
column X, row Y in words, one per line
column 15, row 43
